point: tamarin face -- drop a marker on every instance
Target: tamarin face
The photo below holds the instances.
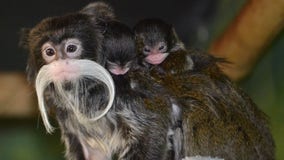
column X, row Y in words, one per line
column 155, row 40
column 64, row 50
column 118, row 48
column 67, row 37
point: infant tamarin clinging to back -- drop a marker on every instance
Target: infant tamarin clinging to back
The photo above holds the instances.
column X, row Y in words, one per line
column 218, row 118
column 119, row 48
column 157, row 42
column 121, row 61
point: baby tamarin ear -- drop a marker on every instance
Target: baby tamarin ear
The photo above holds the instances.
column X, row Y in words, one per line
column 100, row 13
column 99, row 10
column 176, row 43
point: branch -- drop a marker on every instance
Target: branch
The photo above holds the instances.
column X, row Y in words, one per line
column 243, row 42
column 17, row 98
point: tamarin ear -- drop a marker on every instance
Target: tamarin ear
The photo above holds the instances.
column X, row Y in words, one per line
column 101, row 25
column 99, row 10
column 100, row 13
column 176, row 43
column 174, row 34
column 31, row 70
column 24, row 36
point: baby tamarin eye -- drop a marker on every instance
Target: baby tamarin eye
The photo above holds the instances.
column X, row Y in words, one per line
column 146, row 50
column 162, row 47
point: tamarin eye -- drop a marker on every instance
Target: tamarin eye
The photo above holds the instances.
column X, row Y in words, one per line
column 50, row 52
column 71, row 48
column 161, row 47
column 146, row 50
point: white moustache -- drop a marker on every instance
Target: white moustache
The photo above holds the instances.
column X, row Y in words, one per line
column 61, row 71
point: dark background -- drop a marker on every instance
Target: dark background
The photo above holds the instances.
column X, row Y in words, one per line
column 186, row 15
column 198, row 23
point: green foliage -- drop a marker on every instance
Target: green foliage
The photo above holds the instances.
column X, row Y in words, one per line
column 24, row 140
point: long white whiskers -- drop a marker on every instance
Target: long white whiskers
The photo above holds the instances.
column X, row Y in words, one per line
column 43, row 79
column 86, row 68
column 101, row 74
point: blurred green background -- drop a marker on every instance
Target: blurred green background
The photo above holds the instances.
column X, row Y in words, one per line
column 26, row 139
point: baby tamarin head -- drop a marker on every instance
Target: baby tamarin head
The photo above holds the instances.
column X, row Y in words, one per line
column 118, row 47
column 156, row 40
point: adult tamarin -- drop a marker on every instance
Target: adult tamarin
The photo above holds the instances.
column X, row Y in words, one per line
column 66, row 65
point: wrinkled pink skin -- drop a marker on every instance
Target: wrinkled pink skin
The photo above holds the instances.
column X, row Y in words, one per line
column 119, row 70
column 156, row 57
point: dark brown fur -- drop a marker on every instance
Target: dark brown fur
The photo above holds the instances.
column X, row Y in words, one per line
column 218, row 118
column 128, row 131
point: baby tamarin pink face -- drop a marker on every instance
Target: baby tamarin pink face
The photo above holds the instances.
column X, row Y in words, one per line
column 156, row 40
column 156, row 54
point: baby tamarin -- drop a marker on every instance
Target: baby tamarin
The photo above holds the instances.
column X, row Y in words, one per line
column 121, row 61
column 218, row 118
column 157, row 41
column 65, row 64
column 119, row 48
